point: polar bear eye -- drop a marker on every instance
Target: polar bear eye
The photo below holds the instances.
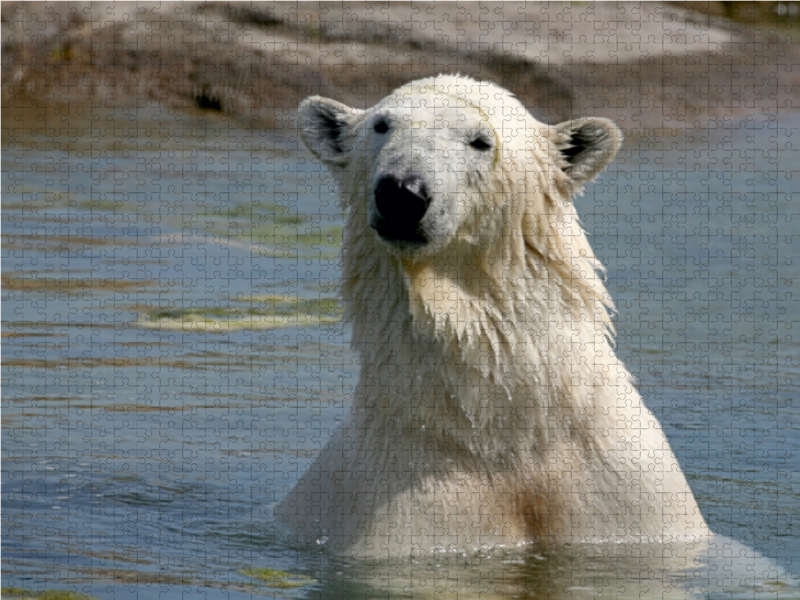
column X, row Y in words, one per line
column 381, row 126
column 480, row 144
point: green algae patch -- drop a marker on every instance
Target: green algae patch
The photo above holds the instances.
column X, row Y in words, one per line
column 775, row 583
column 273, row 578
column 13, row 593
column 262, row 312
column 277, row 229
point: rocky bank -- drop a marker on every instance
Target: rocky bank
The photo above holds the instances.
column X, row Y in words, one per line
column 647, row 66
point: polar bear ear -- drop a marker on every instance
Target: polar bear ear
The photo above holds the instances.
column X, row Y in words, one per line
column 325, row 128
column 587, row 146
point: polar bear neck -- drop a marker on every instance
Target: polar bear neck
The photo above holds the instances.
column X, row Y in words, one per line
column 498, row 355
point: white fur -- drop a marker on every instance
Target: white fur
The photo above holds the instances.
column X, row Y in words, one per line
column 491, row 408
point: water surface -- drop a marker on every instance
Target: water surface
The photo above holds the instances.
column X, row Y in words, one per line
column 173, row 359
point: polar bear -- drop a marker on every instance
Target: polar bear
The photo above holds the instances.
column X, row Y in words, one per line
column 491, row 408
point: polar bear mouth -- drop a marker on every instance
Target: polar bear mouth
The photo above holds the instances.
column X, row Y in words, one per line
column 400, row 206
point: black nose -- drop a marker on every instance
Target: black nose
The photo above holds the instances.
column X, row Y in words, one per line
column 401, row 204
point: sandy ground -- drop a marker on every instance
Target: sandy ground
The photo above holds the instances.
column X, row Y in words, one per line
column 647, row 66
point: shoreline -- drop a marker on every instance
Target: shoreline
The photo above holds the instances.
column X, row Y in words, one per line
column 647, row 67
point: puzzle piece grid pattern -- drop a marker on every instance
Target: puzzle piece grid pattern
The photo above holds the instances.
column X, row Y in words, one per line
column 141, row 455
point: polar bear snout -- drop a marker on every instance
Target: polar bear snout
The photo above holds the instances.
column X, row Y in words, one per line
column 400, row 205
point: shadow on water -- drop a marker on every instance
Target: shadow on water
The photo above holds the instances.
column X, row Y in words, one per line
column 173, row 359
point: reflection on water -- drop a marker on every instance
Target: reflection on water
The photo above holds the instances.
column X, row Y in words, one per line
column 721, row 568
column 173, row 360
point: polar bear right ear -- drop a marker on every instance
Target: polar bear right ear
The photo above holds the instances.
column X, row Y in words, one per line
column 587, row 146
column 325, row 128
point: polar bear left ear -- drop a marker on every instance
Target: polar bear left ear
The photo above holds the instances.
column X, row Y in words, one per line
column 587, row 146
column 325, row 128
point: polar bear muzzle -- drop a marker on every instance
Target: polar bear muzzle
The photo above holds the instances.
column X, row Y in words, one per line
column 400, row 205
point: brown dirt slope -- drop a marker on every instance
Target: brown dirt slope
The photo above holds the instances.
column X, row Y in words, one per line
column 644, row 65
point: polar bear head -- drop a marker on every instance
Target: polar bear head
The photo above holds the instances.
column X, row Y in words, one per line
column 433, row 159
column 451, row 184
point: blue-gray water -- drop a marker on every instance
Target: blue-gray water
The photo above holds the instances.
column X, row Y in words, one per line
column 172, row 358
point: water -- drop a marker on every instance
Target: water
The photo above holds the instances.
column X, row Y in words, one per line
column 173, row 359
